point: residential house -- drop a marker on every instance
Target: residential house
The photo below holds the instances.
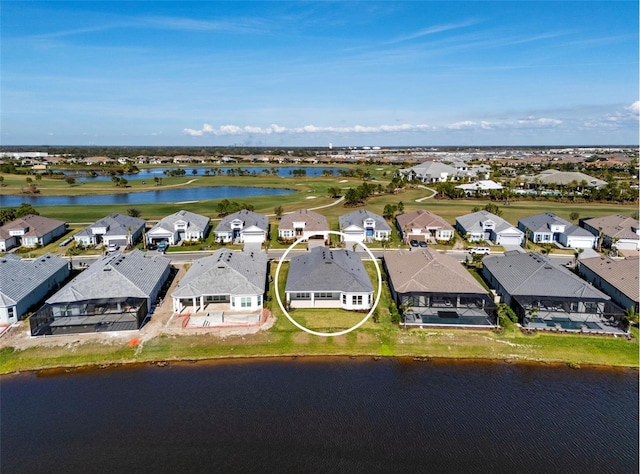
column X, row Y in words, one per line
column 483, row 225
column 328, row 278
column 480, row 188
column 423, row 225
column 116, row 293
column 433, row 288
column 114, row 229
column 566, row 178
column 617, row 278
column 430, row 172
column 30, row 231
column 546, row 295
column 618, row 230
column 243, row 227
column 304, row 223
column 548, row 228
column 25, row 283
column 179, row 226
column 363, row 226
column 228, row 287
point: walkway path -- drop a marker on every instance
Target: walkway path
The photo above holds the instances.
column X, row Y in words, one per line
column 427, row 197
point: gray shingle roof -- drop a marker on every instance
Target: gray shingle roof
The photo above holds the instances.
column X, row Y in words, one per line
column 225, row 272
column 431, row 169
column 116, row 224
column 472, row 222
column 566, row 177
column 616, row 225
column 429, row 271
column 114, row 276
column 20, row 277
column 542, row 222
column 248, row 217
column 533, row 274
column 357, row 218
column 422, row 219
column 323, row 269
column 196, row 222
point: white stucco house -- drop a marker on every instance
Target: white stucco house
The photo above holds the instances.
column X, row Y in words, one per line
column 304, row 223
column 180, row 226
column 549, row 228
column 363, row 226
column 113, row 229
column 30, row 231
column 483, row 225
column 242, row 227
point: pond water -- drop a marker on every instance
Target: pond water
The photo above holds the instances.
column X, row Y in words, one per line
column 150, row 173
column 322, row 415
column 177, row 195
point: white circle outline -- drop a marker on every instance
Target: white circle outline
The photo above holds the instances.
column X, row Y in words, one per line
column 319, row 333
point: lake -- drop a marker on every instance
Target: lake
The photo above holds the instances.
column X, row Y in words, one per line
column 150, row 173
column 322, row 415
column 177, row 195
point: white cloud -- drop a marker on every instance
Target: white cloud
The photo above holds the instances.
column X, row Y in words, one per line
column 634, row 108
column 225, row 130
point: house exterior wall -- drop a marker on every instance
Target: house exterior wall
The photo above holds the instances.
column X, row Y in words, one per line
column 577, row 242
column 616, row 295
column 8, row 244
column 343, row 300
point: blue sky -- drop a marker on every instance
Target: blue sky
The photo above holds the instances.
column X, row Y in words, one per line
column 420, row 73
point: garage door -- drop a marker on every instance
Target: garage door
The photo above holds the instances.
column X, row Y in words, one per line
column 509, row 240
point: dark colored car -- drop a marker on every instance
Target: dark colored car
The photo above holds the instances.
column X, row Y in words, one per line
column 414, row 243
column 423, row 244
column 152, row 246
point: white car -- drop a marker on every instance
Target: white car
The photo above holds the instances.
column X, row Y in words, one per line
column 112, row 247
column 480, row 251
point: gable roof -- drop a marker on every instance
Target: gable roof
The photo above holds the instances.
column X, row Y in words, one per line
column 37, row 226
column 117, row 275
column 566, row 177
column 195, row 222
column 533, row 274
column 313, row 220
column 616, row 226
column 431, row 168
column 357, row 218
column 543, row 222
column 472, row 222
column 323, row 269
column 422, row 219
column 20, row 277
column 621, row 274
column 116, row 224
column 249, row 218
column 429, row 271
column 225, row 272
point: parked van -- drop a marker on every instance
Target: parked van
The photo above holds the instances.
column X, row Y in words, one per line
column 480, row 251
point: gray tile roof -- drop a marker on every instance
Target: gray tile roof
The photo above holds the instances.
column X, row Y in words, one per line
column 313, row 220
column 38, row 226
column 226, row 272
column 621, row 274
column 533, row 274
column 566, row 177
column 429, row 271
column 431, row 169
column 195, row 221
column 249, row 219
column 20, row 277
column 472, row 222
column 422, row 219
column 134, row 274
column 116, row 224
column 542, row 222
column 323, row 269
column 357, row 218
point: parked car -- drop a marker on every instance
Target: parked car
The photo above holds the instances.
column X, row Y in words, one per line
column 422, row 243
column 480, row 251
column 163, row 246
column 414, row 243
column 112, row 247
column 152, row 246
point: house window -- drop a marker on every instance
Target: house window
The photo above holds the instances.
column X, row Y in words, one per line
column 356, row 300
column 344, row 299
column 245, row 302
column 11, row 312
column 369, row 300
column 323, row 295
column 260, row 300
column 303, row 296
column 590, row 307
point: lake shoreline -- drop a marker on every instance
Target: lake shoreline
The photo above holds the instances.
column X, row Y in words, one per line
column 315, row 358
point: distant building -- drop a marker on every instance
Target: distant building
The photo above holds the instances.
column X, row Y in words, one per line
column 622, row 230
column 179, row 226
column 244, row 227
column 304, row 223
column 24, row 283
column 483, row 225
column 547, row 228
column 564, row 178
column 363, row 226
column 423, row 225
column 480, row 187
column 430, row 172
column 113, row 229
column 30, row 231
